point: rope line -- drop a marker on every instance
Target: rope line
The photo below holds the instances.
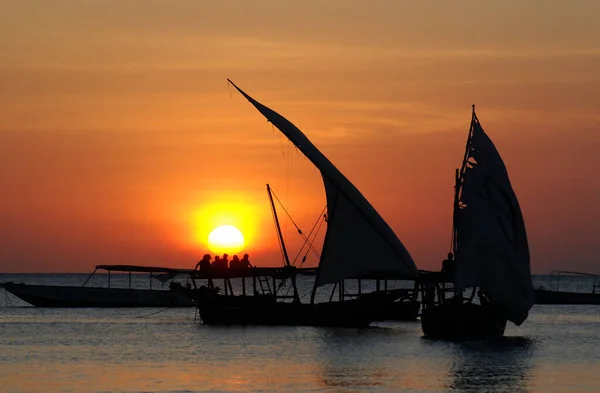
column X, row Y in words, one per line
column 319, row 221
column 295, row 225
column 154, row 313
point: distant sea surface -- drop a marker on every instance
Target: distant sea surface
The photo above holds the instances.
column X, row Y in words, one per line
column 557, row 349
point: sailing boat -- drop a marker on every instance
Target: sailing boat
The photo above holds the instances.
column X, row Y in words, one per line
column 492, row 255
column 358, row 244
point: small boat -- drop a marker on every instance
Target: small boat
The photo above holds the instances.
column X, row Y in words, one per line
column 490, row 254
column 557, row 296
column 86, row 296
column 267, row 305
column 359, row 245
column 263, row 298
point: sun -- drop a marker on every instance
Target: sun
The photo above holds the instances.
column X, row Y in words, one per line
column 225, row 239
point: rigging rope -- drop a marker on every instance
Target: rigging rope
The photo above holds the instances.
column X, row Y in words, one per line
column 286, row 212
column 280, row 143
column 154, row 313
column 303, row 296
column 293, row 222
column 319, row 221
column 287, row 189
column 318, row 255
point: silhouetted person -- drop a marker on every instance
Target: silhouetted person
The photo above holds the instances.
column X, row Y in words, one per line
column 216, row 265
column 449, row 265
column 245, row 262
column 224, row 261
column 204, row 264
column 235, row 262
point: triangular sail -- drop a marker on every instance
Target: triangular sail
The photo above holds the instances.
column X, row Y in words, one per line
column 358, row 241
column 491, row 242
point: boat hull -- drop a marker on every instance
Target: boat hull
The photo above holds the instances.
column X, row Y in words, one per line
column 462, row 321
column 393, row 305
column 544, row 296
column 218, row 309
column 399, row 311
column 69, row 296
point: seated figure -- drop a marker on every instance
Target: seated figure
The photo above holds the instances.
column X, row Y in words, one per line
column 235, row 262
column 245, row 262
column 224, row 262
column 204, row 264
column 217, row 265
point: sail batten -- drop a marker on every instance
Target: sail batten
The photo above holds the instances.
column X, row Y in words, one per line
column 358, row 240
column 491, row 241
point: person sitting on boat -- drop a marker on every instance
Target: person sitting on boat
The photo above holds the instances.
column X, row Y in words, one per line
column 225, row 261
column 216, row 265
column 245, row 262
column 204, row 264
column 235, row 262
column 449, row 265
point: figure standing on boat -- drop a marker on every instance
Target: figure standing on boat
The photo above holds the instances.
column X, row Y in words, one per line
column 449, row 266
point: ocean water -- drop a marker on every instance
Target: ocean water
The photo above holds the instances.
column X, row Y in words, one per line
column 163, row 350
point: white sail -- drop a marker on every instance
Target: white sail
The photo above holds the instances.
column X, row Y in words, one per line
column 491, row 242
column 358, row 241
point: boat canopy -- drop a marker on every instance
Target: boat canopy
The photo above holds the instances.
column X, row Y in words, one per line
column 358, row 241
column 143, row 269
column 211, row 273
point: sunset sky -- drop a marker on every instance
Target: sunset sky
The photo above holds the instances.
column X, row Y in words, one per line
column 121, row 142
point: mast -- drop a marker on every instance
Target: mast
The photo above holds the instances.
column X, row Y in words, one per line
column 279, row 234
column 468, row 144
column 458, row 179
column 282, row 245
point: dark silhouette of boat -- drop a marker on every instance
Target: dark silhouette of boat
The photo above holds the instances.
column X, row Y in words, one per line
column 557, row 296
column 265, row 299
column 359, row 245
column 486, row 280
column 109, row 296
column 270, row 308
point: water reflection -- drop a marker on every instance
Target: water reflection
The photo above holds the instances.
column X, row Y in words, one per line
column 375, row 359
column 117, row 350
column 502, row 365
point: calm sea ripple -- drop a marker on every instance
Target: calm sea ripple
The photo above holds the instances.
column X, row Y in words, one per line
column 156, row 350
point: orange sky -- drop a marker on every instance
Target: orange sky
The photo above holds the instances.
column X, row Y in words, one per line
column 118, row 130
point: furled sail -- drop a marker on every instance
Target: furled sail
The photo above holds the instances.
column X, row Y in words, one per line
column 358, row 241
column 491, row 242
